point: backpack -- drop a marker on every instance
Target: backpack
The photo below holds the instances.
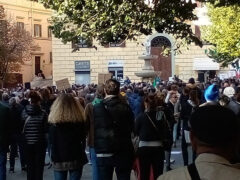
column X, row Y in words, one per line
column 165, row 131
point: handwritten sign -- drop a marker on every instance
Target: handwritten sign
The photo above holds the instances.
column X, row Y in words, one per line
column 63, row 84
column 103, row 77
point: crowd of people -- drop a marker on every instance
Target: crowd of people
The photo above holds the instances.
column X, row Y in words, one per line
column 129, row 127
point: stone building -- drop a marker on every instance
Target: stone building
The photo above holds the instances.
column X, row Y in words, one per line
column 84, row 65
column 33, row 17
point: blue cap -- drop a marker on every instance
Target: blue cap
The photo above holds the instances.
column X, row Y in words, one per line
column 211, row 93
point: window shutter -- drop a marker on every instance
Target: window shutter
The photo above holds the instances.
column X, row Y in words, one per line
column 35, row 33
column 40, row 30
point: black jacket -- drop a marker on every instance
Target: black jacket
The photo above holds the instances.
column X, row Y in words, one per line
column 184, row 114
column 113, row 125
column 68, row 141
column 36, row 127
column 4, row 126
column 16, row 112
column 145, row 129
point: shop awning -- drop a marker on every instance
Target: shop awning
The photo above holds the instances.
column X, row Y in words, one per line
column 204, row 64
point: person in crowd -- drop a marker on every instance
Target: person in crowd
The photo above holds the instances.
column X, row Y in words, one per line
column 46, row 103
column 113, row 125
column 100, row 94
column 40, row 74
column 47, row 100
column 5, row 134
column 228, row 101
column 192, row 85
column 127, row 81
column 67, row 137
column 173, row 98
column 34, row 130
column 186, row 111
column 150, row 126
column 24, row 98
column 211, row 95
column 215, row 149
column 5, row 99
column 136, row 102
column 17, row 141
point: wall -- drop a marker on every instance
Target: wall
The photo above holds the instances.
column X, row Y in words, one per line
column 63, row 60
column 31, row 13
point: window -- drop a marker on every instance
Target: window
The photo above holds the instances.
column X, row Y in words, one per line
column 50, row 57
column 37, row 30
column 49, row 32
column 20, row 26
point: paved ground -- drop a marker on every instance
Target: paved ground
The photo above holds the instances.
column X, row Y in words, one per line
column 48, row 173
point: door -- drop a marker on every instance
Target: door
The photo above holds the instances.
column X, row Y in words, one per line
column 37, row 64
column 162, row 64
column 82, row 77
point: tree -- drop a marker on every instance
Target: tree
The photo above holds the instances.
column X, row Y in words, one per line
column 119, row 20
column 224, row 33
column 15, row 46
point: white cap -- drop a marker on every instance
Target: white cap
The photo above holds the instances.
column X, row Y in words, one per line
column 229, row 92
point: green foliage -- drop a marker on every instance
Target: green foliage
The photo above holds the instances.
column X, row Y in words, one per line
column 224, row 33
column 223, row 58
column 114, row 20
column 119, row 20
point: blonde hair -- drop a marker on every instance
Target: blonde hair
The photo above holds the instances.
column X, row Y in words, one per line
column 66, row 109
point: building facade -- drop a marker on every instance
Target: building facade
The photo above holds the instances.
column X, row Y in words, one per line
column 34, row 18
column 84, row 65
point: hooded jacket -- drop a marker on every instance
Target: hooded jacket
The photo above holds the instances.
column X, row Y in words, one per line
column 113, row 125
column 4, row 125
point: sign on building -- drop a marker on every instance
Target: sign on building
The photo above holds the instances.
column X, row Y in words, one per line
column 82, row 65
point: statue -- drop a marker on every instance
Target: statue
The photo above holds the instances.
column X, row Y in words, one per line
column 148, row 47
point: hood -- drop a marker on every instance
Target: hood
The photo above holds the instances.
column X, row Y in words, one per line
column 33, row 109
column 112, row 101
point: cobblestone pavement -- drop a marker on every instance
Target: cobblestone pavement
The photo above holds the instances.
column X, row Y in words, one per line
column 48, row 173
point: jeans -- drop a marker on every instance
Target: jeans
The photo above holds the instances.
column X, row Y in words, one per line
column 122, row 163
column 151, row 157
column 62, row 175
column 94, row 163
column 35, row 156
column 17, row 141
column 3, row 162
column 175, row 126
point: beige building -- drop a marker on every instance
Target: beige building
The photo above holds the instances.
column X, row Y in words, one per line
column 84, row 65
column 33, row 17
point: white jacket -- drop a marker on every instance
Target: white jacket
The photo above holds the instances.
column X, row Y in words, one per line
column 210, row 167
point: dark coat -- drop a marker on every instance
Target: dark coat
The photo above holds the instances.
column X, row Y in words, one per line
column 113, row 125
column 36, row 127
column 5, row 119
column 68, row 141
column 16, row 112
column 136, row 103
column 145, row 129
